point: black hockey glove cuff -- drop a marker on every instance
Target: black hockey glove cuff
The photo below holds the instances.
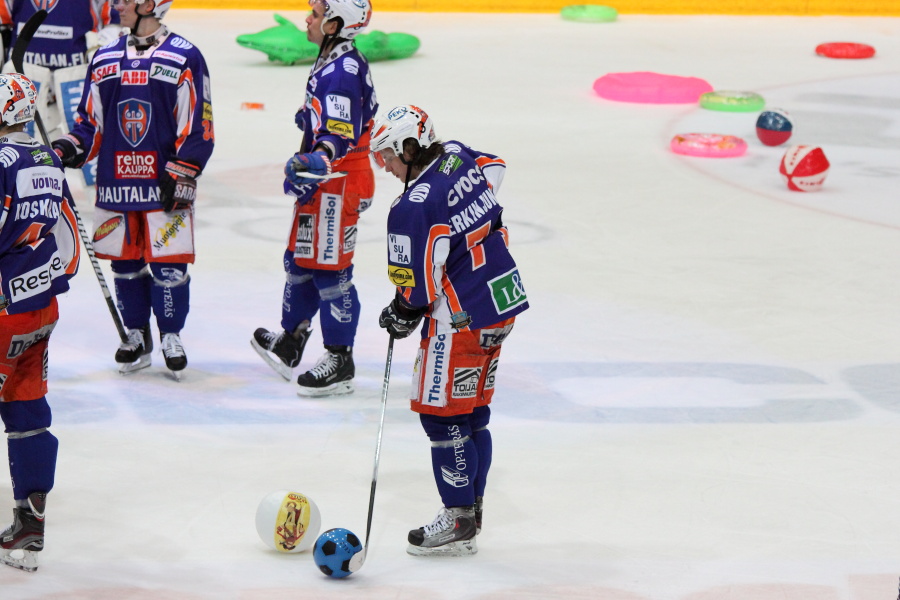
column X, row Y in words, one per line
column 69, row 150
column 178, row 185
column 400, row 319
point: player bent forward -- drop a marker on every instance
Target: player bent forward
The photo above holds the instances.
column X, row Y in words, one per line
column 448, row 257
column 38, row 255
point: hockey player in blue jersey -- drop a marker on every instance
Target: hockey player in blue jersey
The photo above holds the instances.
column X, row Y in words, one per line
column 58, row 55
column 146, row 113
column 448, row 256
column 336, row 121
column 39, row 253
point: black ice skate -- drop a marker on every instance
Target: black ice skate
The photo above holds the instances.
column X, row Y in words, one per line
column 21, row 540
column 134, row 354
column 452, row 533
column 281, row 351
column 173, row 352
column 332, row 375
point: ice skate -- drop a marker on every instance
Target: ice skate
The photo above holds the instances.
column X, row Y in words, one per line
column 134, row 354
column 21, row 541
column 479, row 512
column 452, row 533
column 173, row 352
column 332, row 375
column 281, row 351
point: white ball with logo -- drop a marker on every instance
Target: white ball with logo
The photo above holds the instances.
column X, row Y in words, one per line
column 288, row 521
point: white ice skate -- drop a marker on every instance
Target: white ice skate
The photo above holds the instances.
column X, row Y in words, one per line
column 173, row 353
column 452, row 533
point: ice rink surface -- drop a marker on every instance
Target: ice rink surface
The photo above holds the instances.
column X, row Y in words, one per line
column 703, row 402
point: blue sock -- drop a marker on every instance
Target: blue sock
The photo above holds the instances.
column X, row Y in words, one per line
column 171, row 295
column 132, row 284
column 338, row 306
column 454, row 458
column 31, row 448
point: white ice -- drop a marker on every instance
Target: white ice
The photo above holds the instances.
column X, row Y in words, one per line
column 701, row 404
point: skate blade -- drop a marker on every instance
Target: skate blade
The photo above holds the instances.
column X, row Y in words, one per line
column 176, row 375
column 280, row 368
column 335, row 389
column 26, row 562
column 453, row 549
column 141, row 363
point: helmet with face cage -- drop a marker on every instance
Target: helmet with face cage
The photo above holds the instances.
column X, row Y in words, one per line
column 17, row 98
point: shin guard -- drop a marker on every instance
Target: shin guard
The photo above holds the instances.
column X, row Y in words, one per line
column 131, row 279
column 454, row 458
column 32, row 449
column 171, row 295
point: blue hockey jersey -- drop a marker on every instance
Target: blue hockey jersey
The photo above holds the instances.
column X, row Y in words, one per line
column 60, row 40
column 38, row 246
column 140, row 110
column 447, row 246
column 340, row 103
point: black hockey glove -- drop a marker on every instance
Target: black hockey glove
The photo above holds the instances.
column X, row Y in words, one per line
column 178, row 185
column 69, row 150
column 400, row 319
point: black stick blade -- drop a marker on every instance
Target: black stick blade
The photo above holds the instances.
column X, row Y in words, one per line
column 21, row 46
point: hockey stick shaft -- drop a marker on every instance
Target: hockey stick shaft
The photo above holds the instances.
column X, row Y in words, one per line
column 384, row 394
column 18, row 57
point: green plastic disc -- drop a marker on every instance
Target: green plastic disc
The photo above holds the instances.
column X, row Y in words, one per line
column 732, row 101
column 589, row 13
column 378, row 45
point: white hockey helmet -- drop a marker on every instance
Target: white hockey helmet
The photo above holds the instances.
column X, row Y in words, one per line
column 17, row 97
column 354, row 13
column 400, row 124
column 160, row 9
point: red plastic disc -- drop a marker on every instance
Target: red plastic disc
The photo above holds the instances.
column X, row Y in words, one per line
column 845, row 50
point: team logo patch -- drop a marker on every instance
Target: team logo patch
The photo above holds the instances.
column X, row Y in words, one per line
column 465, row 382
column 399, row 249
column 507, row 291
column 207, row 111
column 164, row 73
column 491, row 376
column 3, row 304
column 338, row 106
column 340, row 128
column 47, row 5
column 306, row 227
column 105, row 72
column 107, row 227
column 401, row 276
column 454, row 477
column 168, row 232
column 41, row 157
column 134, row 120
column 136, row 165
column 450, row 164
column 349, row 239
column 135, row 77
column 419, row 193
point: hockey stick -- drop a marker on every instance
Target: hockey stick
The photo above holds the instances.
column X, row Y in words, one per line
column 356, row 562
column 17, row 56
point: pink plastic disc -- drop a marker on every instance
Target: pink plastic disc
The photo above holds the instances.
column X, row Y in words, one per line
column 708, row 145
column 651, row 88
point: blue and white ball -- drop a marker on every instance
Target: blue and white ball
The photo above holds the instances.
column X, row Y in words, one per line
column 337, row 552
column 774, row 127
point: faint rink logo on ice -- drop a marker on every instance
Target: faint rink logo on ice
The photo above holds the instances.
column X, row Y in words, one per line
column 695, row 392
